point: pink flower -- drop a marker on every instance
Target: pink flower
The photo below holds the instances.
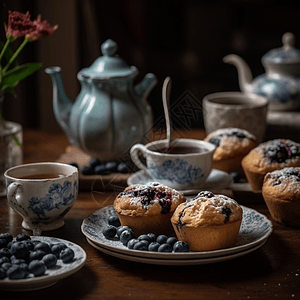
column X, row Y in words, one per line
column 42, row 28
column 19, row 24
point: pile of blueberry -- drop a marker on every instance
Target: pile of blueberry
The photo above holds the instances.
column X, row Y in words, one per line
column 98, row 167
column 23, row 256
column 279, row 151
column 144, row 242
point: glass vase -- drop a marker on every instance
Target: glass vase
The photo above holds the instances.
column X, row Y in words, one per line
column 11, row 141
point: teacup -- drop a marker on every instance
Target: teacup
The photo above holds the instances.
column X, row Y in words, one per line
column 185, row 164
column 236, row 109
column 42, row 193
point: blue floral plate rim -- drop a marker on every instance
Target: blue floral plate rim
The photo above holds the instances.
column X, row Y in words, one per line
column 255, row 229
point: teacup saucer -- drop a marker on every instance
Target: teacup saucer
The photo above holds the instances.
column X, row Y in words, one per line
column 216, row 181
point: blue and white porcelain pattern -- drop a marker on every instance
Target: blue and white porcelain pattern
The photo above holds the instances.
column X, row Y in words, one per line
column 176, row 171
column 254, row 231
column 283, row 93
column 45, row 200
column 217, row 180
column 52, row 276
column 58, row 197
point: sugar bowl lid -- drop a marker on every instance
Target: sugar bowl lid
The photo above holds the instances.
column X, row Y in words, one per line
column 286, row 54
column 109, row 65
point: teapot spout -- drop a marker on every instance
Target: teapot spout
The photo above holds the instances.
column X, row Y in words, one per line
column 61, row 103
column 244, row 73
column 146, row 85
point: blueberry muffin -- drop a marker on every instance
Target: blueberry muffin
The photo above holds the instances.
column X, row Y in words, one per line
column 148, row 208
column 208, row 222
column 270, row 156
column 232, row 144
column 281, row 192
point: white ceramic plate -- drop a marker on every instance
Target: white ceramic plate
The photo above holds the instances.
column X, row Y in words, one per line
column 255, row 229
column 174, row 262
column 52, row 276
column 216, row 181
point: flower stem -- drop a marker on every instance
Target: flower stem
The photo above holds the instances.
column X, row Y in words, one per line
column 4, row 48
column 15, row 55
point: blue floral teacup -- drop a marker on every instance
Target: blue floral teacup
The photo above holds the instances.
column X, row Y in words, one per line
column 182, row 165
column 42, row 193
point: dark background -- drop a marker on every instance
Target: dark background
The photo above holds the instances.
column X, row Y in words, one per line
column 182, row 39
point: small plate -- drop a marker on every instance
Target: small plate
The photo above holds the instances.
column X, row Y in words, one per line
column 174, row 262
column 216, row 181
column 255, row 229
column 52, row 276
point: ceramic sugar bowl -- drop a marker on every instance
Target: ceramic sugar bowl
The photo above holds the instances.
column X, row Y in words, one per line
column 281, row 82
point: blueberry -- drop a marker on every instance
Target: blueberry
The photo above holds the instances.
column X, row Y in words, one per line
column 109, row 231
column 152, row 237
column 19, row 250
column 2, row 273
column 43, row 246
column 123, row 168
column 36, row 255
column 161, row 239
column 121, row 229
column 114, row 220
column 6, row 265
column 165, row 248
column 100, row 170
column 145, row 242
column 67, row 255
column 126, row 236
column 180, row 246
column 5, row 252
column 235, row 176
column 3, row 260
column 57, row 248
column 49, row 260
column 94, row 162
column 140, row 246
column 3, row 243
column 16, row 272
column 144, row 237
column 18, row 261
column 37, row 268
column 87, row 170
column 111, row 166
column 131, row 243
column 171, row 240
column 22, row 237
column 29, row 245
column 153, row 246
column 7, row 236
column 25, row 268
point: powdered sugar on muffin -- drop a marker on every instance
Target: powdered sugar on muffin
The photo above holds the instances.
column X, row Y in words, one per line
column 231, row 142
column 148, row 199
column 208, row 209
column 286, row 180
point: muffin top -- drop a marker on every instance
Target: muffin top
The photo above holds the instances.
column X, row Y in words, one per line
column 150, row 199
column 231, row 142
column 273, row 155
column 207, row 209
column 283, row 184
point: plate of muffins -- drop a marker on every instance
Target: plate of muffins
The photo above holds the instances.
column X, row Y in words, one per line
column 215, row 227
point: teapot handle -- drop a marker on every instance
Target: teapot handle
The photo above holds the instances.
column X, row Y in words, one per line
column 134, row 154
column 14, row 197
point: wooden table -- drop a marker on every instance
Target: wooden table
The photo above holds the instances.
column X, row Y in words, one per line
column 270, row 272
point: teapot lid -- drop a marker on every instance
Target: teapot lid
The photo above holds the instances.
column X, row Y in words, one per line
column 109, row 65
column 286, row 54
